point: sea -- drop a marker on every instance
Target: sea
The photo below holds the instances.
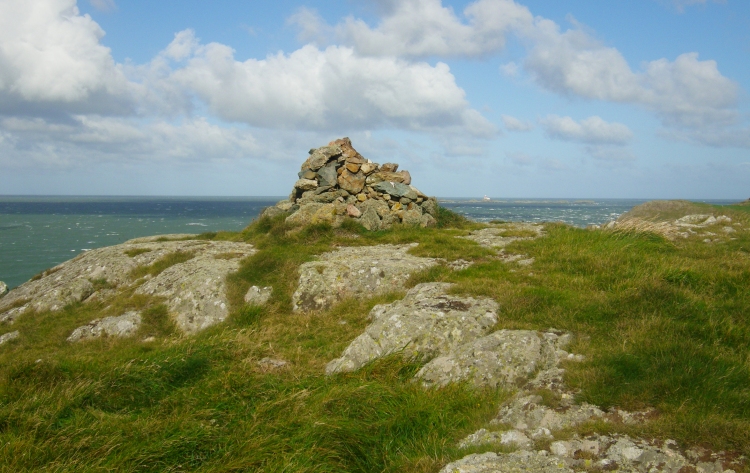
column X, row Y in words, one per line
column 39, row 232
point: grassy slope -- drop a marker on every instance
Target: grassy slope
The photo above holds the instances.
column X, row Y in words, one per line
column 663, row 324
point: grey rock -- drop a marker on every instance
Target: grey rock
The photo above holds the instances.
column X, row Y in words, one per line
column 320, row 157
column 370, row 219
column 379, row 206
column 125, row 325
column 258, row 295
column 327, row 175
column 430, row 206
column 424, row 324
column 307, row 174
column 304, row 215
column 513, row 438
column 281, row 207
column 412, row 218
column 6, row 337
column 506, row 359
column 492, row 237
column 427, row 221
column 516, row 462
column 3, row 289
column 527, row 414
column 196, row 289
column 74, row 280
column 357, row 271
column 389, row 167
column 395, row 189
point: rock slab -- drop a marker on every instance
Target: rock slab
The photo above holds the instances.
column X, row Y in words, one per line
column 125, row 325
column 426, row 323
column 355, row 271
column 6, row 337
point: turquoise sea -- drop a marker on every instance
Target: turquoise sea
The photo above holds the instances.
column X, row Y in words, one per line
column 37, row 233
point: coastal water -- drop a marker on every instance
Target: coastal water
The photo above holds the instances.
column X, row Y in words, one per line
column 37, row 233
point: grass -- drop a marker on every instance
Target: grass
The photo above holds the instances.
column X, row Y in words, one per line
column 158, row 266
column 662, row 324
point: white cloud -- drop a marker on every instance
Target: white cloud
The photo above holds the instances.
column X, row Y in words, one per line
column 327, row 89
column 312, row 26
column 51, row 57
column 422, row 28
column 684, row 93
column 590, row 130
column 514, row 124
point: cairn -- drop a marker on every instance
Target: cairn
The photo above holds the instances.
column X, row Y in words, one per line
column 336, row 182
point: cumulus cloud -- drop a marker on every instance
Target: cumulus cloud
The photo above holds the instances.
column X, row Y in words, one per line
column 320, row 89
column 590, row 130
column 423, row 28
column 684, row 93
column 514, row 124
column 51, row 58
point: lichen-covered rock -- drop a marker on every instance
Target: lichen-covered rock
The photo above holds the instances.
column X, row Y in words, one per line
column 512, row 438
column 304, row 215
column 306, row 184
column 516, row 462
column 196, row 289
column 125, row 325
column 355, row 271
column 424, row 324
column 527, row 414
column 6, row 337
column 258, row 295
column 320, row 157
column 506, row 358
column 351, row 182
column 3, row 288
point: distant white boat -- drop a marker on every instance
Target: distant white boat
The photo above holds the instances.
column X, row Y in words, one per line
column 486, row 199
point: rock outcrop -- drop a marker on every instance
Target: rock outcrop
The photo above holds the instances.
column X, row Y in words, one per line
column 426, row 323
column 355, row 271
column 125, row 325
column 193, row 287
column 3, row 288
column 6, row 337
column 336, row 182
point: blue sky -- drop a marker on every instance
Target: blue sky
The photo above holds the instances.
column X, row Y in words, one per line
column 584, row 98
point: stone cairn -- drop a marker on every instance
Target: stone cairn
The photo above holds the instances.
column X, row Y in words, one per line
column 336, row 182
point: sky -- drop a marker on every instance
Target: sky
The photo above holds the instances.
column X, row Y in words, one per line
column 527, row 99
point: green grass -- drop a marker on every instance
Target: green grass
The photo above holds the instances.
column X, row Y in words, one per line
column 662, row 324
column 156, row 268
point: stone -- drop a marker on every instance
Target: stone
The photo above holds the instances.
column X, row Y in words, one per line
column 493, row 237
column 347, row 150
column 412, row 218
column 307, row 174
column 353, row 211
column 352, row 167
column 268, row 363
column 405, row 177
column 426, row 323
column 383, row 176
column 527, row 414
column 368, row 168
column 258, row 295
column 361, row 197
column 516, row 462
column 370, row 220
column 395, row 189
column 389, row 167
column 3, row 289
column 6, row 337
column 504, row 359
column 304, row 215
column 332, row 213
column 125, row 325
column 306, row 184
column 321, row 156
column 430, row 206
column 352, row 182
column 396, row 207
column 327, row 175
column 355, row 272
column 82, row 277
column 513, row 438
column 427, row 221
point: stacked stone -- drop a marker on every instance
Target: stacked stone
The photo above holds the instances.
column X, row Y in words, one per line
column 336, row 182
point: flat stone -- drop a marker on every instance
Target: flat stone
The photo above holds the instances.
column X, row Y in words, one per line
column 351, row 182
column 492, row 237
column 368, row 168
column 395, row 189
column 426, row 323
column 353, row 167
column 258, row 295
column 6, row 337
column 125, row 325
column 355, row 272
column 516, row 462
column 389, row 167
column 307, row 174
column 306, row 184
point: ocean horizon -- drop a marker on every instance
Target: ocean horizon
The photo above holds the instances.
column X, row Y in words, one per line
column 39, row 232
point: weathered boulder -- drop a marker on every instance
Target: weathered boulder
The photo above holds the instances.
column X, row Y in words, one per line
column 327, row 175
column 424, row 324
column 125, row 325
column 304, row 215
column 516, row 462
column 6, row 337
column 395, row 189
column 3, row 288
column 319, row 157
column 526, row 413
column 258, row 295
column 193, row 288
column 355, row 271
column 352, row 182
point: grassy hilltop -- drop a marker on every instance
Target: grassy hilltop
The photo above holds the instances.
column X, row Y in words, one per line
column 663, row 323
